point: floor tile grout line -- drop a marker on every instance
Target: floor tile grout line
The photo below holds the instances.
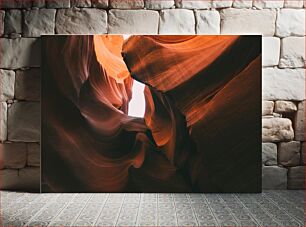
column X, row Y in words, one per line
column 137, row 210
column 35, row 204
column 173, row 200
column 98, row 216
column 124, row 195
column 276, row 205
column 268, row 213
column 208, row 205
column 20, row 198
column 155, row 196
column 230, row 211
column 287, row 201
column 136, row 216
column 142, row 201
column 157, row 213
column 88, row 204
column 27, row 207
column 271, row 200
column 81, row 210
column 201, row 202
column 23, row 197
column 61, row 210
column 194, row 215
column 39, row 212
column 140, row 204
column 262, row 210
column 157, row 216
column 247, row 209
column 36, row 198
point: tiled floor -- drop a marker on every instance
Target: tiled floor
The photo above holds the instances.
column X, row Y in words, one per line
column 271, row 208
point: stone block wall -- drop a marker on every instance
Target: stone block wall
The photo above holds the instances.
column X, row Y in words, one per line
column 281, row 22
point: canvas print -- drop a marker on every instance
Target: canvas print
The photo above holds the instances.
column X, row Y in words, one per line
column 151, row 113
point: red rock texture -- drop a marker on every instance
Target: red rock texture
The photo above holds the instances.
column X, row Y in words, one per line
column 201, row 129
column 215, row 83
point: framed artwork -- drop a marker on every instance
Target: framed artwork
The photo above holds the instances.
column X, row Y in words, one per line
column 151, row 113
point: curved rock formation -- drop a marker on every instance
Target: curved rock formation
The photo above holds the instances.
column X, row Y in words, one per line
column 201, row 129
column 215, row 83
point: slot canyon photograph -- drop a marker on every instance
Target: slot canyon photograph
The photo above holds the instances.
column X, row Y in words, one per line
column 151, row 113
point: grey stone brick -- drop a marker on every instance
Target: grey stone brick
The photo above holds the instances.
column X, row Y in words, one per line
column 2, row 15
column 27, row 85
column 296, row 177
column 20, row 53
column 80, row 3
column 139, row 22
column 7, row 81
column 39, row 22
column 248, row 21
column 13, row 21
column 159, row 4
column 39, row 3
column 100, row 3
column 177, row 21
column 33, row 154
column 56, row 4
column 81, row 21
column 299, row 122
column 269, row 154
column 283, row 84
column 24, row 122
column 208, row 22
column 274, row 177
column 277, row 129
column 26, row 179
column 13, row 155
column 126, row 4
column 3, row 121
column 289, row 153
column 15, row 4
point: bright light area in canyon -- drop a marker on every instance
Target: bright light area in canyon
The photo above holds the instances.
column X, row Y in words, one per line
column 125, row 37
column 137, row 104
